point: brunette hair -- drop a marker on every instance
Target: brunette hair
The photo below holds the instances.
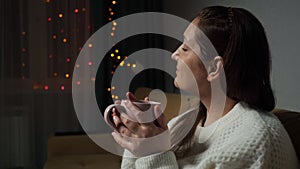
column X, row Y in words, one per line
column 240, row 39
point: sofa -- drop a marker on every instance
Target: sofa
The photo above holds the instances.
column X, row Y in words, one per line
column 80, row 152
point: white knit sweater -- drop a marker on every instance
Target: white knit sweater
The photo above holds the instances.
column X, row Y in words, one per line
column 243, row 138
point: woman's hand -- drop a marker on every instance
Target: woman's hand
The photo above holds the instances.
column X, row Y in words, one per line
column 138, row 137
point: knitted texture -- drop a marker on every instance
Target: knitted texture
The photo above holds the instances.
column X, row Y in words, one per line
column 243, row 138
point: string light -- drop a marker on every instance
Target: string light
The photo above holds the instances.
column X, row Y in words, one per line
column 67, row 75
column 108, row 89
column 128, row 64
column 76, row 10
column 47, row 1
column 83, row 9
column 23, row 33
column 116, row 97
column 122, row 63
column 90, row 45
column 49, row 19
column 55, row 74
column 114, row 23
column 46, row 87
column 114, row 2
column 54, row 36
column 113, row 28
column 119, row 57
column 65, row 40
column 112, row 34
column 112, row 55
column 90, row 63
column 77, row 66
column 60, row 15
column 93, row 79
column 113, row 87
column 78, row 83
column 113, row 96
column 117, row 51
column 133, row 65
column 111, row 13
column 68, row 60
column 62, row 87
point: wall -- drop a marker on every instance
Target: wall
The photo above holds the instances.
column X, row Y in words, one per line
column 281, row 22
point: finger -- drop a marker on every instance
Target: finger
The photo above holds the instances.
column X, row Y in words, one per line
column 123, row 142
column 133, row 111
column 117, row 102
column 161, row 119
column 129, row 124
column 130, row 96
column 115, row 117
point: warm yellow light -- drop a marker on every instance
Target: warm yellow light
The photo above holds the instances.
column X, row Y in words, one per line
column 122, row 63
column 113, row 88
column 117, row 51
column 90, row 45
column 109, row 19
column 108, row 89
column 114, row 2
column 60, row 15
column 23, row 33
column 114, row 23
column 133, row 65
column 93, row 79
column 116, row 97
column 119, row 57
column 128, row 64
column 54, row 36
column 47, row 1
column 55, row 74
column 112, row 55
column 112, row 34
column 67, row 75
column 65, row 40
column 77, row 66
column 113, row 96
column 109, row 9
column 111, row 13
column 113, row 28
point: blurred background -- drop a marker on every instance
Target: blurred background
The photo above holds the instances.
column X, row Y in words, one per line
column 41, row 39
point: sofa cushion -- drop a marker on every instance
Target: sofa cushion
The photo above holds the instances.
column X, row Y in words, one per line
column 291, row 122
column 86, row 161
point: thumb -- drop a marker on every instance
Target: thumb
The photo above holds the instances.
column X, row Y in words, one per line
column 130, row 96
column 161, row 120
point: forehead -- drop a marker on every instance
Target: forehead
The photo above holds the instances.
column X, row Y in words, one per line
column 191, row 30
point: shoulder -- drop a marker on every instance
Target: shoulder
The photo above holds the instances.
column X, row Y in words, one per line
column 255, row 136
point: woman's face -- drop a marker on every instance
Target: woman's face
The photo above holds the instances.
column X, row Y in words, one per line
column 189, row 67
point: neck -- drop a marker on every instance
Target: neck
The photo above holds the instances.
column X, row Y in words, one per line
column 216, row 112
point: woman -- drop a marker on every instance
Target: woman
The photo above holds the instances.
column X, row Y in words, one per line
column 246, row 134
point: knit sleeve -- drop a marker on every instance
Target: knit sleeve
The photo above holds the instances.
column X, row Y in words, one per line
column 128, row 160
column 166, row 160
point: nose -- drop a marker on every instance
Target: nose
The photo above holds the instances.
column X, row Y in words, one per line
column 175, row 55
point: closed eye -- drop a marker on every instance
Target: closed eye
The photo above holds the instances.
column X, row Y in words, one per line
column 184, row 49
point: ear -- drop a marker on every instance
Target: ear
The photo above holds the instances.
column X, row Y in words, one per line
column 214, row 69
